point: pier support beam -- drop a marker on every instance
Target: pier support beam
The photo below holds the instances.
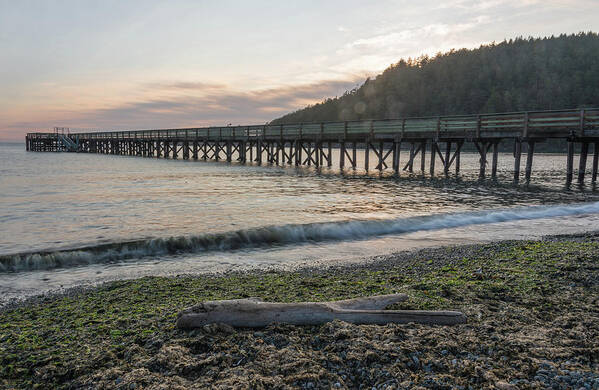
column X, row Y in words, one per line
column 259, row 152
column 447, row 156
column 413, row 154
column 366, row 155
column 299, row 150
column 319, row 154
column 433, row 157
column 185, row 150
column 423, row 157
column 270, row 152
column 494, row 163
column 396, row 155
column 291, row 153
column 517, row 156
column 457, row 157
column 205, row 150
column 280, row 153
column 570, row 163
column 529, row 155
column 483, row 149
column 411, row 162
column 582, row 164
column 595, row 162
column 381, row 165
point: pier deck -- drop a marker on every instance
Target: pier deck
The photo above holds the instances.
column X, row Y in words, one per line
column 312, row 143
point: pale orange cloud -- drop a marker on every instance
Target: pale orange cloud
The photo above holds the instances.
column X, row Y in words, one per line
column 182, row 104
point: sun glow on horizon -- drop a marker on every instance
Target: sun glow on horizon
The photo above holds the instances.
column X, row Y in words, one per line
column 211, row 64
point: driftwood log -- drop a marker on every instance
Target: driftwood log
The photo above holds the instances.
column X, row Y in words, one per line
column 254, row 313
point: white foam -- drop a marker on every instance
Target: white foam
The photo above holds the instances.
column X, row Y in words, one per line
column 281, row 235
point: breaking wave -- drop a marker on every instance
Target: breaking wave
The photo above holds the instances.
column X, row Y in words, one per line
column 276, row 235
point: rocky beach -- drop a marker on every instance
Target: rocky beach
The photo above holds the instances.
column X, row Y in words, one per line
column 532, row 308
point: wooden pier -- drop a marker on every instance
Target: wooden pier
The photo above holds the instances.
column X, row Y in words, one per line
column 312, row 143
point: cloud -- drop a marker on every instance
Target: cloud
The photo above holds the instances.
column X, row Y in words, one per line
column 210, row 104
column 185, row 85
column 399, row 39
column 391, row 43
column 221, row 106
column 483, row 5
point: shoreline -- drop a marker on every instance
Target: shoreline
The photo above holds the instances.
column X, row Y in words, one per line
column 531, row 308
column 375, row 262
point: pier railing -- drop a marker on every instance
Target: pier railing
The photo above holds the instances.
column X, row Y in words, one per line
column 539, row 123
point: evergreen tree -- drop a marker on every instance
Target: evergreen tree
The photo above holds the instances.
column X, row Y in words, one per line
column 516, row 75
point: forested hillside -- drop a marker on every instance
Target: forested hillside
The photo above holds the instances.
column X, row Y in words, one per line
column 515, row 75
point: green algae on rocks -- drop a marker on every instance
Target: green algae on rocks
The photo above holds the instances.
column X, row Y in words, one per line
column 532, row 308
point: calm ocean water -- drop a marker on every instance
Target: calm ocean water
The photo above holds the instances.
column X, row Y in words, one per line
column 76, row 219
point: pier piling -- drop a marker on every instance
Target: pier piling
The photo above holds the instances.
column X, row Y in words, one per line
column 582, row 163
column 433, row 158
column 595, row 162
column 517, row 156
column 570, row 163
column 529, row 157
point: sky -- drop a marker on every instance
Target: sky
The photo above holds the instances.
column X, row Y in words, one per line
column 129, row 64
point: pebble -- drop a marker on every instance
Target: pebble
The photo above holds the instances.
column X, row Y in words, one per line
column 550, row 377
column 415, row 360
column 501, row 385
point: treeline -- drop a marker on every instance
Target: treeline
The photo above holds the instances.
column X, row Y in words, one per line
column 516, row 75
